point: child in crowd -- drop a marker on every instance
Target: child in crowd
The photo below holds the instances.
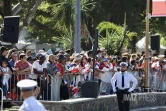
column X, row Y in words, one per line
column 13, row 94
column 6, row 76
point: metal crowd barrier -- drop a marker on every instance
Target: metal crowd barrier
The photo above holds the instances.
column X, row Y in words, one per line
column 43, row 91
column 1, row 99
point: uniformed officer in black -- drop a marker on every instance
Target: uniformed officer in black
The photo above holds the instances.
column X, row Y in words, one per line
column 122, row 88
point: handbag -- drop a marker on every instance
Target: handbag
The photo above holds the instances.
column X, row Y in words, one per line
column 64, row 91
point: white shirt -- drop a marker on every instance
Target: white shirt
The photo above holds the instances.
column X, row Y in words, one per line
column 39, row 67
column 155, row 64
column 86, row 69
column 106, row 77
column 6, row 76
column 128, row 77
column 30, row 65
column 31, row 104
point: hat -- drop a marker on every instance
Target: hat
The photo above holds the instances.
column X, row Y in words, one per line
column 41, row 51
column 155, row 58
column 42, row 56
column 82, row 53
column 27, row 85
column 161, row 56
column 104, row 59
column 60, row 56
column 38, row 55
column 123, row 64
column 77, row 57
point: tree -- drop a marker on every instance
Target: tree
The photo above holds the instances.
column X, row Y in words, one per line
column 111, row 37
column 51, row 20
column 54, row 16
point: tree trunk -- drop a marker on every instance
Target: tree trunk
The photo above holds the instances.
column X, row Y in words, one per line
column 30, row 15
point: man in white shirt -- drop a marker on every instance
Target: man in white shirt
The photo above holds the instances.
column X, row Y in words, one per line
column 123, row 79
column 39, row 68
column 30, row 103
column 39, row 72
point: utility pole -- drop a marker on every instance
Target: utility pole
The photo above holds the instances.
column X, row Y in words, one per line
column 77, row 37
column 147, row 47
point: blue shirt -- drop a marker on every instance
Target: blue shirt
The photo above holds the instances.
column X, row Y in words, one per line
column 31, row 104
column 11, row 62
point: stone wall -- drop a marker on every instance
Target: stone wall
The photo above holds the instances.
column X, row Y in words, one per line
column 106, row 103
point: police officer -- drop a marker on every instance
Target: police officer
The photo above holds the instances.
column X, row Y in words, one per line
column 30, row 103
column 122, row 88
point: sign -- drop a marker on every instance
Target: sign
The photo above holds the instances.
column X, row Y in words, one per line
column 158, row 8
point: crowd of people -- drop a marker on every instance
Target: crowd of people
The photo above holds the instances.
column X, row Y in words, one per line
column 61, row 74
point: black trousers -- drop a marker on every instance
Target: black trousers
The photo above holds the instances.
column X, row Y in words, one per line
column 123, row 103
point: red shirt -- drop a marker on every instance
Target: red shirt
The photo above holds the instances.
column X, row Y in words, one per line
column 20, row 66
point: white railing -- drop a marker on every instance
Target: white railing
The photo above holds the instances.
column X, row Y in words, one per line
column 1, row 99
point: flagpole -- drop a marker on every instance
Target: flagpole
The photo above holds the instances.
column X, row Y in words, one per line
column 147, row 47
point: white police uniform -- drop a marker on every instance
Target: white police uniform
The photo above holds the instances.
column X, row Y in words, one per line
column 30, row 103
column 122, row 87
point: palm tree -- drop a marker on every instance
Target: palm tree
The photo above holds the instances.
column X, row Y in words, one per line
column 111, row 37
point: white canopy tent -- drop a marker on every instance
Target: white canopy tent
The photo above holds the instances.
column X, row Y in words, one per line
column 22, row 43
column 141, row 46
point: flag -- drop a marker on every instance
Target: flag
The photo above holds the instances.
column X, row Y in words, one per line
column 158, row 8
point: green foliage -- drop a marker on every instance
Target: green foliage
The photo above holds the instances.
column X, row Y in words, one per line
column 66, row 39
column 110, row 36
column 41, row 26
column 131, row 35
column 53, row 15
column 110, row 27
column 163, row 41
column 53, row 20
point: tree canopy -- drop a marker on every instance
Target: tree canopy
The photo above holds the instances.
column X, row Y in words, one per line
column 52, row 21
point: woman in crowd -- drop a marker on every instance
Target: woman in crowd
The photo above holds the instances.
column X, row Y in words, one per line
column 106, row 77
column 57, row 78
column 52, row 70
